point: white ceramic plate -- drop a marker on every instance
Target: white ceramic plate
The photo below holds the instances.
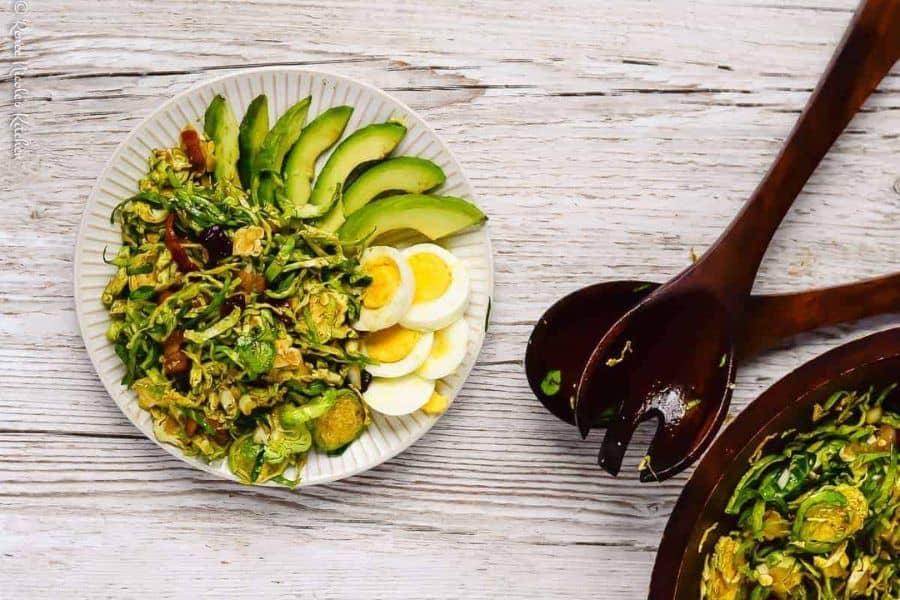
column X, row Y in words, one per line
column 387, row 436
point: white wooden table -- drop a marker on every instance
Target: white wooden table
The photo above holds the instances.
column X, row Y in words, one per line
column 604, row 139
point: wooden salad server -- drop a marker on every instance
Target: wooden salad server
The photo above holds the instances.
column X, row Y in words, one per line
column 673, row 355
column 566, row 334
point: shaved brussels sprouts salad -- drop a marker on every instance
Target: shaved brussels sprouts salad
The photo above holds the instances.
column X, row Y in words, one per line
column 236, row 288
column 821, row 517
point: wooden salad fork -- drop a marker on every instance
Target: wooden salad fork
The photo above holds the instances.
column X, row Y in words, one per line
column 673, row 356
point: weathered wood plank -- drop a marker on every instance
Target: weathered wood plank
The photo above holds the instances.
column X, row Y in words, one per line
column 604, row 139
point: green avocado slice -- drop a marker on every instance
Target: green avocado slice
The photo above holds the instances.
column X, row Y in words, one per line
column 433, row 216
column 370, row 143
column 222, row 128
column 402, row 174
column 279, row 140
column 252, row 132
column 334, row 219
column 317, row 137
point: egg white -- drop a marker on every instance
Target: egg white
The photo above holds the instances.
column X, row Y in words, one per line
column 408, row 363
column 373, row 319
column 455, row 340
column 449, row 306
column 398, row 396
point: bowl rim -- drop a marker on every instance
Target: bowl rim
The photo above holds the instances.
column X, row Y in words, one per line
column 838, row 363
column 363, row 466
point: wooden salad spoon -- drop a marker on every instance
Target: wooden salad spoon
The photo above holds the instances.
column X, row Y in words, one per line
column 566, row 334
column 673, row 355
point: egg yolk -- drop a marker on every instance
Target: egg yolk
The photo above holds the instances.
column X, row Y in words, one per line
column 385, row 276
column 441, row 344
column 391, row 344
column 432, row 276
column 436, row 405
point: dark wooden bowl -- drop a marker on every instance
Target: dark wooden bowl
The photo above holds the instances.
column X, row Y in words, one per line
column 872, row 360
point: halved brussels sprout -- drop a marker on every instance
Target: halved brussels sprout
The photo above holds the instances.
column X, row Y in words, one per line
column 324, row 317
column 781, row 573
column 168, row 430
column 246, row 459
column 722, row 573
column 774, row 526
column 342, row 424
column 828, row 517
column 279, row 440
column 287, row 437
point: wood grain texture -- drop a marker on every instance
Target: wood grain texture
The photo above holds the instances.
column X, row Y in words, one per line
column 605, row 140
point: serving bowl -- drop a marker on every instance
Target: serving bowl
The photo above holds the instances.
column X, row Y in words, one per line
column 387, row 436
column 872, row 360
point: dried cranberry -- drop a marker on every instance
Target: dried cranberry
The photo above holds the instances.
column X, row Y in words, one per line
column 287, row 320
column 232, row 303
column 283, row 312
column 190, row 141
column 365, row 378
column 182, row 381
column 217, row 243
column 174, row 245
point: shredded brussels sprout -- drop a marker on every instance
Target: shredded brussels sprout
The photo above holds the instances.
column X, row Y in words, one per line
column 232, row 319
column 821, row 517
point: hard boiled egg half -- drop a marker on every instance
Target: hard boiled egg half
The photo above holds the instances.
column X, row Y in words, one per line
column 397, row 351
column 447, row 351
column 441, row 288
column 389, row 297
column 399, row 395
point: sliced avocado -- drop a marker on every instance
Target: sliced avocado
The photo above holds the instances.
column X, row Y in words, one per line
column 283, row 135
column 373, row 142
column 334, row 219
column 402, row 174
column 222, row 128
column 433, row 216
column 253, row 130
column 317, row 137
column 266, row 184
